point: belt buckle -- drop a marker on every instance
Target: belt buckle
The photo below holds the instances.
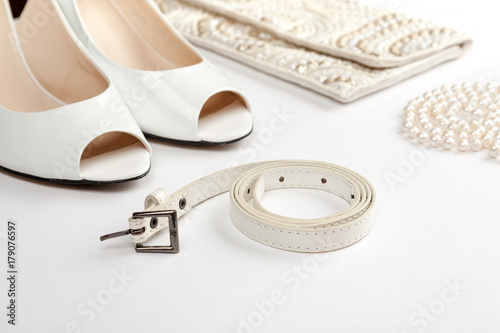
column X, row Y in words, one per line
column 153, row 216
column 172, row 227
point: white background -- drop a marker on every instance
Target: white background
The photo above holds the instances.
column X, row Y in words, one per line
column 440, row 226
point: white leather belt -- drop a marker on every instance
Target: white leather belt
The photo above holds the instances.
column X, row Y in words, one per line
column 251, row 181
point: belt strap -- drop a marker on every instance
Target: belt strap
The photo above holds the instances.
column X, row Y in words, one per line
column 251, row 181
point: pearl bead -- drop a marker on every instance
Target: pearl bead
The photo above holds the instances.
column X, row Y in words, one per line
column 488, row 123
column 436, row 131
column 428, row 127
column 466, row 128
column 410, row 114
column 469, row 109
column 484, row 102
column 422, row 138
column 476, row 144
column 495, row 152
column 407, row 126
column 463, row 145
column 435, row 141
column 476, row 134
column 414, row 131
column 487, row 141
column 448, row 143
column 492, row 133
column 449, row 134
column 463, row 135
column 491, row 85
column 474, row 124
column 410, row 108
column 453, row 126
column 435, row 111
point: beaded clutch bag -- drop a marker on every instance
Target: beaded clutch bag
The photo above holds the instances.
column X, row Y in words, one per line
column 338, row 48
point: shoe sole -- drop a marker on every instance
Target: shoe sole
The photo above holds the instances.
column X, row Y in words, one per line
column 72, row 182
column 196, row 143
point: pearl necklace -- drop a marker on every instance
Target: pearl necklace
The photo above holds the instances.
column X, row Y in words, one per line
column 461, row 117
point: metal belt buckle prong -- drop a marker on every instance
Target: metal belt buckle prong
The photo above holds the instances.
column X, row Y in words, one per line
column 154, row 220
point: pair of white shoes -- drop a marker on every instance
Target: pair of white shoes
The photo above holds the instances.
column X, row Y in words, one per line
column 82, row 80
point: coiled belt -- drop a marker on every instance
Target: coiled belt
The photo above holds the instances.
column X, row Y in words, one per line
column 251, row 181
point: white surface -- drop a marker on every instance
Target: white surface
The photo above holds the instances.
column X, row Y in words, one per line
column 441, row 224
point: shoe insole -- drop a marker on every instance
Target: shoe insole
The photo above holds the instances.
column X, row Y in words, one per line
column 125, row 163
column 131, row 34
column 18, row 90
column 49, row 70
column 224, row 118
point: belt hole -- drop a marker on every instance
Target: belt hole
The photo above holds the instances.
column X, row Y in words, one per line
column 352, row 196
column 154, row 223
column 323, row 180
column 182, row 203
column 282, row 179
column 248, row 191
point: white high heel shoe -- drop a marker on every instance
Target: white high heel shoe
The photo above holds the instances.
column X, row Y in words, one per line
column 173, row 92
column 60, row 118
